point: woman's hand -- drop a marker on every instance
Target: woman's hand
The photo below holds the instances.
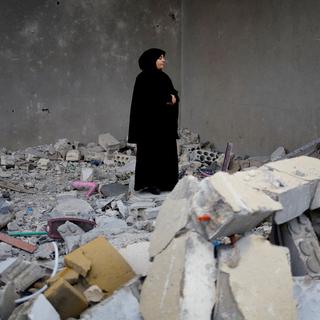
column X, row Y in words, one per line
column 173, row 99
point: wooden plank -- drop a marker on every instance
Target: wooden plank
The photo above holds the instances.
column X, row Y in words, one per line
column 18, row 243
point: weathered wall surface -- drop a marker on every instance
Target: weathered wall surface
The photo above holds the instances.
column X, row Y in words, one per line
column 68, row 67
column 251, row 72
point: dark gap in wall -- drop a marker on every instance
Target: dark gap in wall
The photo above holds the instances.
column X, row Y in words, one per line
column 45, row 110
column 172, row 16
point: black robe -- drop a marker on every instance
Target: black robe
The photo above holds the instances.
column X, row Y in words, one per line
column 153, row 127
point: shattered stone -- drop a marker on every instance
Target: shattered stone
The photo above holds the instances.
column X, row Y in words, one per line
column 5, row 251
column 254, row 282
column 294, row 194
column 174, row 214
column 278, row 154
column 180, row 281
column 7, row 160
column 122, row 305
column 62, row 146
column 87, row 174
column 93, row 294
column 70, row 229
column 43, row 164
column 306, row 292
column 42, row 309
column 44, row 251
column 108, row 142
column 72, row 207
column 113, row 189
column 73, row 155
column 8, row 296
column 233, row 206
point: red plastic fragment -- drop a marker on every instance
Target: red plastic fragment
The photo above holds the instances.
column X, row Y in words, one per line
column 204, row 217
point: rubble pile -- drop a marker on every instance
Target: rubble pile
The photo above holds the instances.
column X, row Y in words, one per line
column 76, row 240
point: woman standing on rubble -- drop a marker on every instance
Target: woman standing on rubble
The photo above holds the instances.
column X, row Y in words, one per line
column 154, row 124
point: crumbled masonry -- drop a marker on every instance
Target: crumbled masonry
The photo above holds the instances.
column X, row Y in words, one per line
column 241, row 244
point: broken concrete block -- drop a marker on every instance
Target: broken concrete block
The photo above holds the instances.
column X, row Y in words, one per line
column 93, row 294
column 43, row 164
column 108, row 142
column 122, row 305
column 294, row 194
column 5, row 206
column 42, row 309
column 69, row 229
column 306, row 291
column 137, row 255
column 278, row 154
column 73, row 155
column 299, row 237
column 174, row 214
column 101, row 264
column 113, row 189
column 87, row 174
column 232, row 205
column 68, row 301
column 44, row 251
column 306, row 168
column 5, row 251
column 254, row 282
column 8, row 296
column 180, row 282
column 72, row 207
column 7, row 160
column 121, row 159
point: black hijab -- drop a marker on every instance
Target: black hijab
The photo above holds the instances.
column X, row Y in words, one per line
column 147, row 60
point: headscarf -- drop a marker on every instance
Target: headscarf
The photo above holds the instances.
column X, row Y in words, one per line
column 147, row 60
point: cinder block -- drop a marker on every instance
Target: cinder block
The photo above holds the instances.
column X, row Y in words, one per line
column 180, row 282
column 254, row 282
column 68, row 301
column 174, row 214
column 307, row 294
column 299, row 237
column 306, row 168
column 108, row 269
column 232, row 205
column 73, row 155
column 293, row 193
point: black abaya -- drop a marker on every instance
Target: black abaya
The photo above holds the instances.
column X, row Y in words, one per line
column 153, row 126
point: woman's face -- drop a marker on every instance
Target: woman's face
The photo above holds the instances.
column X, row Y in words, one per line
column 161, row 62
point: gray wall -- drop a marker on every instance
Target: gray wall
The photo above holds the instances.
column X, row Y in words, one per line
column 251, row 72
column 68, row 67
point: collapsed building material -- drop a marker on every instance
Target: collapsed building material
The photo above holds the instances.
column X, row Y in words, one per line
column 122, row 305
column 254, row 282
column 101, row 264
column 174, row 214
column 299, row 237
column 8, row 296
column 66, row 299
column 8, row 185
column 305, row 168
column 307, row 294
column 180, row 282
column 73, row 155
column 233, row 206
column 72, row 207
column 108, row 142
column 18, row 243
column 293, row 193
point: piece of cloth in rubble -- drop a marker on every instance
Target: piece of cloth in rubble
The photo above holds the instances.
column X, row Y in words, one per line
column 153, row 125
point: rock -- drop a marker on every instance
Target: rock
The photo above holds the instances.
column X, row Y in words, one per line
column 63, row 146
column 87, row 174
column 5, row 206
column 44, row 251
column 72, row 207
column 108, row 142
column 5, row 251
column 137, row 256
column 233, row 206
column 294, row 194
column 43, row 164
column 174, row 214
column 73, row 155
column 307, row 294
column 70, row 229
column 122, row 305
column 254, row 282
column 113, row 189
column 278, row 154
column 180, row 281
column 8, row 296
column 93, row 294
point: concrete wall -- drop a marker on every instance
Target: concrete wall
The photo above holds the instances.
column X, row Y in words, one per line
column 251, row 72
column 67, row 67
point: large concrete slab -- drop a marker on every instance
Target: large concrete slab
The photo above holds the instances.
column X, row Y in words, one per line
column 293, row 193
column 306, row 291
column 233, row 206
column 306, row 168
column 180, row 282
column 254, row 282
column 174, row 214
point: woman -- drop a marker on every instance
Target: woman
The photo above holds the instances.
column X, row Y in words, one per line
column 153, row 125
